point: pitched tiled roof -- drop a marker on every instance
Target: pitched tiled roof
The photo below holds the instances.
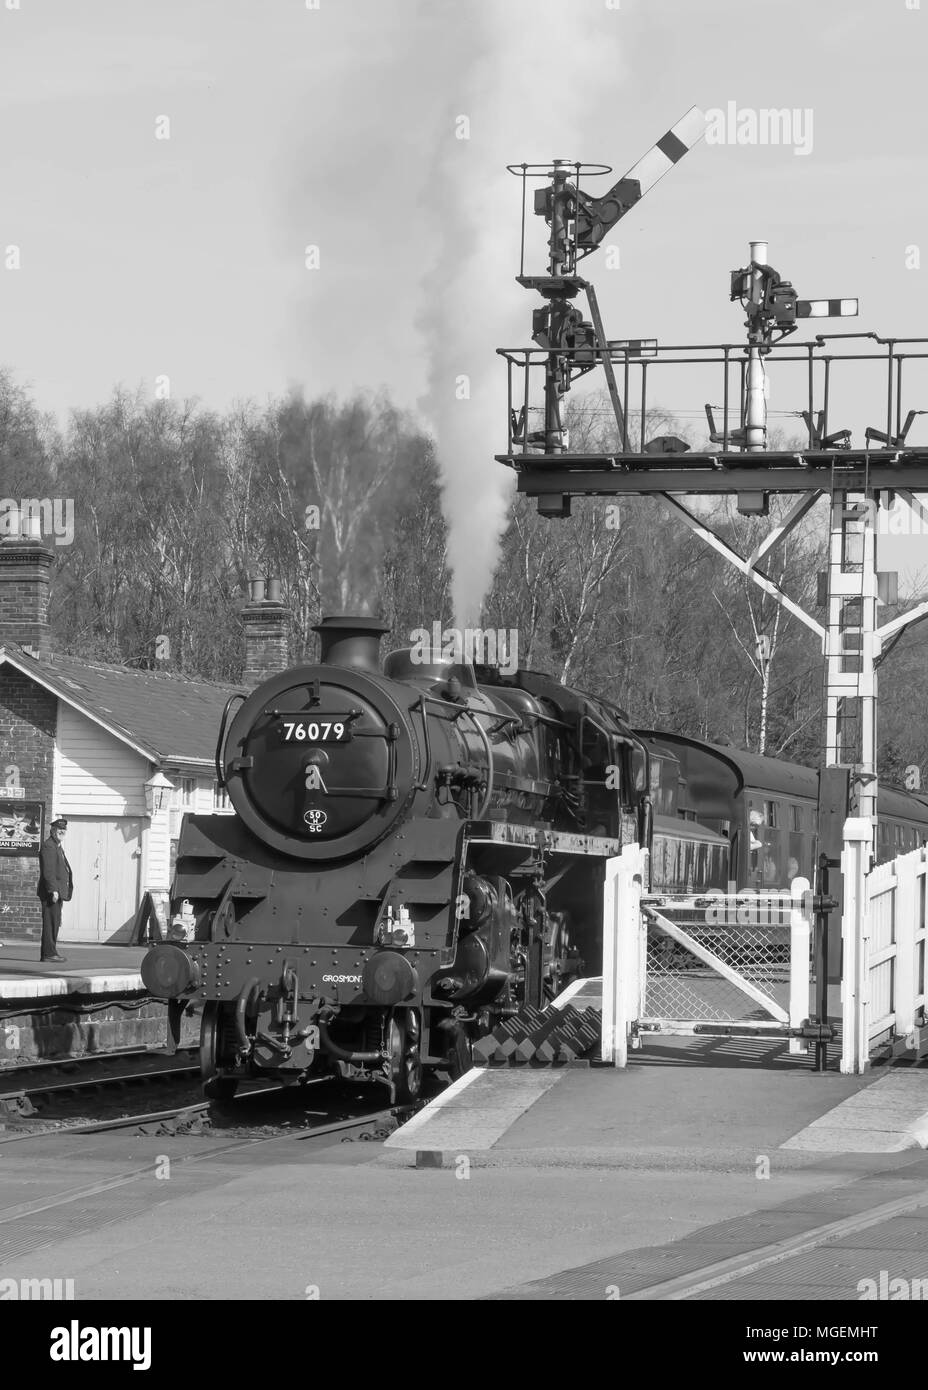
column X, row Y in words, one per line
column 167, row 717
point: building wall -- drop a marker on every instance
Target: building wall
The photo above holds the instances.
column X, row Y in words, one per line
column 157, row 852
column 95, row 773
column 27, row 739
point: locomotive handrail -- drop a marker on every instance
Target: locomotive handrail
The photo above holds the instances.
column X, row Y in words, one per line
column 489, row 752
column 461, row 711
column 220, row 745
column 427, row 741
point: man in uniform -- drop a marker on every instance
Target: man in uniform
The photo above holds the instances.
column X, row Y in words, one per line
column 55, row 887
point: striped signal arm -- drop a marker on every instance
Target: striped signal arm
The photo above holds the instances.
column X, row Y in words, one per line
column 596, row 216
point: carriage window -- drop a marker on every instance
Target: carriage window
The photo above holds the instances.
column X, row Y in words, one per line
column 799, row 859
column 768, row 862
column 795, row 817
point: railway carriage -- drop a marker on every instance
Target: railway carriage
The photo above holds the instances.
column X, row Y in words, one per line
column 766, row 808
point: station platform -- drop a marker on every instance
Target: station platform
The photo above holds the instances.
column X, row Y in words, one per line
column 92, row 1002
column 90, row 969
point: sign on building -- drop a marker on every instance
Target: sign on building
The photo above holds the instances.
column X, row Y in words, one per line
column 21, row 827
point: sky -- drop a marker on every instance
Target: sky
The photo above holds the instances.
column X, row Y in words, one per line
column 335, row 125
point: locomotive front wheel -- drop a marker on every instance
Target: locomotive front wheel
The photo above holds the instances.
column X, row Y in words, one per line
column 215, row 1033
column 405, row 1059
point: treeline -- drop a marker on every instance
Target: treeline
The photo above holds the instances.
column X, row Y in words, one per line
column 176, row 506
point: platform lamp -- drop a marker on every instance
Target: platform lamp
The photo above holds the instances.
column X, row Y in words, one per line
column 157, row 793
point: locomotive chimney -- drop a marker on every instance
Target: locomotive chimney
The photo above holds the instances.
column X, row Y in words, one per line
column 345, row 641
column 265, row 620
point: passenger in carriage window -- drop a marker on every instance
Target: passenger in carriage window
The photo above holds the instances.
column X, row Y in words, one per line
column 771, row 871
column 755, row 821
column 755, row 843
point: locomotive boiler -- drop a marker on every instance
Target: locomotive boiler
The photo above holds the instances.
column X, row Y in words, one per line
column 417, row 850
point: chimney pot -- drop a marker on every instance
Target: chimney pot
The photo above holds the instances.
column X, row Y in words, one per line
column 273, row 591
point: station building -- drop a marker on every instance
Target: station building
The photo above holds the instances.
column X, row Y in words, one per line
column 121, row 753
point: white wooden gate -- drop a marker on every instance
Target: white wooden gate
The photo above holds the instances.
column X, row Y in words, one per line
column 884, row 942
column 716, row 963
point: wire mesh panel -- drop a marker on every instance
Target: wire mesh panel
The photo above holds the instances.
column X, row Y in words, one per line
column 724, row 960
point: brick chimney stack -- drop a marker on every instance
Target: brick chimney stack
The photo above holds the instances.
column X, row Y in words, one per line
column 25, row 565
column 265, row 621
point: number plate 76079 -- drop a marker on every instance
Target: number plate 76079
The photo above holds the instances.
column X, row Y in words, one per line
column 321, row 728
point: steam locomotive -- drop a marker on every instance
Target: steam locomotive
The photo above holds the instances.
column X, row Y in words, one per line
column 418, row 851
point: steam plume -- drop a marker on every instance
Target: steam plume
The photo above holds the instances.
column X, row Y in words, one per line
column 527, row 75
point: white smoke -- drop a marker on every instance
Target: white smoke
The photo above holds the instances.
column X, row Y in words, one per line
column 532, row 78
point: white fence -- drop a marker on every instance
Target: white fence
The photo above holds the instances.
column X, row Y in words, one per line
column 623, row 925
column 884, row 933
column 883, row 938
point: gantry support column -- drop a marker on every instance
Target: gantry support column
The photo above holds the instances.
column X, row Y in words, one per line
column 852, row 647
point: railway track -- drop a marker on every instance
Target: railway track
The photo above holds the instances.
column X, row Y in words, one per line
column 373, row 1125
column 31, row 1093
column 25, row 1091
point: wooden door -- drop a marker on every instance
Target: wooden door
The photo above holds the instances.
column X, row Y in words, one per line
column 79, row 917
column 121, row 842
column 105, row 859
